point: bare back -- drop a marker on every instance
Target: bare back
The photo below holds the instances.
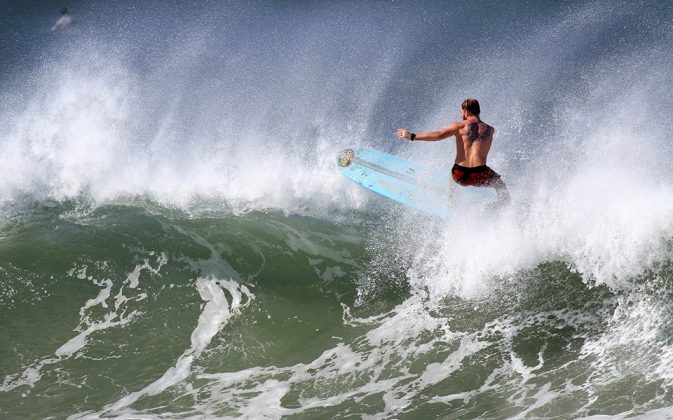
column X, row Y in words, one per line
column 473, row 142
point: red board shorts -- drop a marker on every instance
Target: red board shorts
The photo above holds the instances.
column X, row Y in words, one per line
column 479, row 176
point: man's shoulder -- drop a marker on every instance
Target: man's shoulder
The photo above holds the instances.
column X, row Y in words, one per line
column 486, row 126
column 456, row 125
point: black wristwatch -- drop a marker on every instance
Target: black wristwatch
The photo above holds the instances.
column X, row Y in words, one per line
column 412, row 136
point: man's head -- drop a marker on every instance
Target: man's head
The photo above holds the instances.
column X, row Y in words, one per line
column 470, row 107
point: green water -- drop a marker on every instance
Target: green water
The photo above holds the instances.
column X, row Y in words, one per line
column 318, row 331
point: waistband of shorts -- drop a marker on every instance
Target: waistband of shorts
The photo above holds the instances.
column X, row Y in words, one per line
column 467, row 170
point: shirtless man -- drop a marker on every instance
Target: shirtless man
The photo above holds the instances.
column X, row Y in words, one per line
column 473, row 141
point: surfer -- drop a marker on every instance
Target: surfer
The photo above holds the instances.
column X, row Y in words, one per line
column 473, row 142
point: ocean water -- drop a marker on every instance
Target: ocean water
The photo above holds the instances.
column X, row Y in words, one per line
column 176, row 241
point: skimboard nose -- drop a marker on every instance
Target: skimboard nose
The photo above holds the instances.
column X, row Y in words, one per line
column 345, row 157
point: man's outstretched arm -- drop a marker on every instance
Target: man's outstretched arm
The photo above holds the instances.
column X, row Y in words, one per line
column 448, row 131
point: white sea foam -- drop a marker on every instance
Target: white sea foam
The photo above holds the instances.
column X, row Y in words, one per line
column 379, row 363
column 215, row 315
column 606, row 226
column 77, row 133
column 119, row 315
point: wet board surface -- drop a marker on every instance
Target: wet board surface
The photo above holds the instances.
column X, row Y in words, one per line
column 412, row 184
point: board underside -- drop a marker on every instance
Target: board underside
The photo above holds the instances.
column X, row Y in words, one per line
column 411, row 184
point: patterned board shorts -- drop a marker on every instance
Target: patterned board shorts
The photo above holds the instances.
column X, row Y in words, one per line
column 479, row 176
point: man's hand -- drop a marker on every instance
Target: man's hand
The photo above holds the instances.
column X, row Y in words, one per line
column 403, row 134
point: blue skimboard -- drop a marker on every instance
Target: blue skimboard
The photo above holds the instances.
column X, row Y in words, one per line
column 422, row 187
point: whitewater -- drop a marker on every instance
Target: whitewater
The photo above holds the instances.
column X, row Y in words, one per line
column 176, row 240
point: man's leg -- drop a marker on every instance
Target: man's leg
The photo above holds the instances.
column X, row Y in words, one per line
column 494, row 180
column 501, row 190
